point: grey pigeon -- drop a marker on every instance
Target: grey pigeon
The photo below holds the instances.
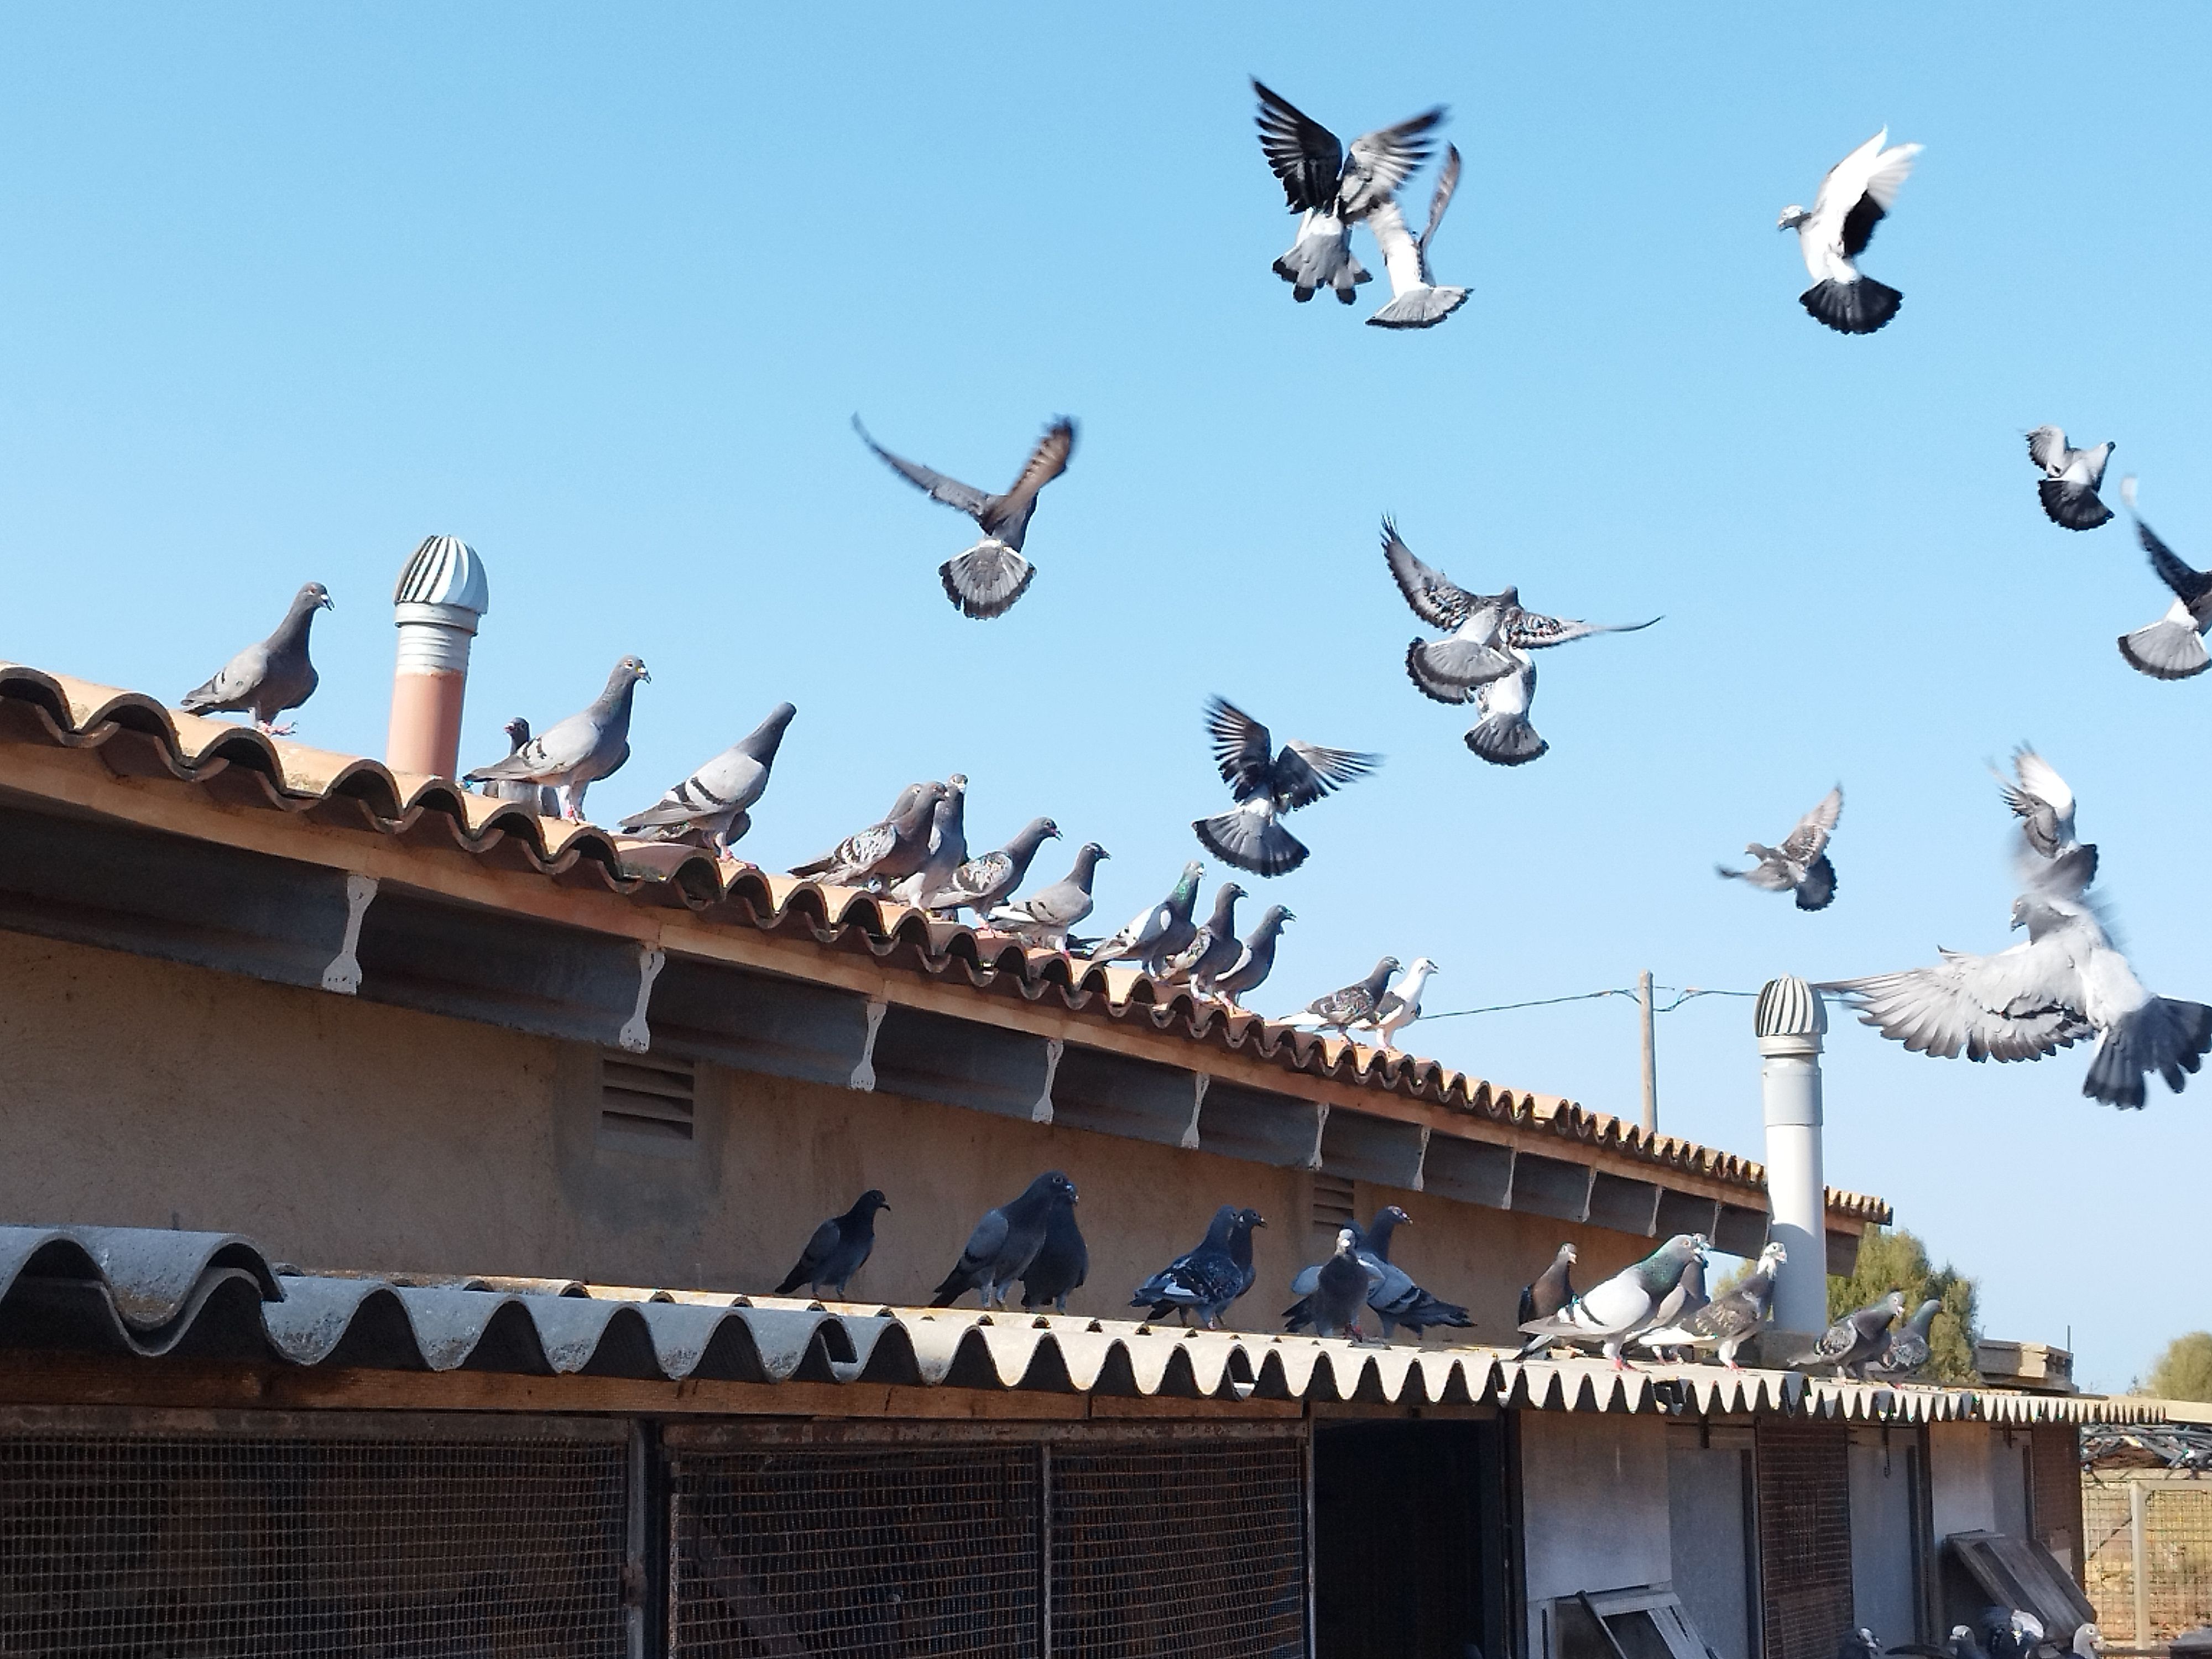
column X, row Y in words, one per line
column 1005, row 1242
column 1857, row 193
column 714, row 802
column 1157, row 931
column 1611, row 1313
column 2070, row 480
column 839, row 1249
column 1857, row 1338
column 1906, row 1352
column 1060, row 1265
column 2042, row 802
column 1265, row 784
column 888, row 850
column 1332, row 189
column 987, row 580
column 1045, row 916
column 1731, row 1319
column 267, row 678
column 1206, row 1279
column 1354, row 1005
column 947, row 849
column 545, row 802
column 1800, row 865
column 1682, row 1304
column 1396, row 1299
column 1400, row 1004
column 1339, row 1288
column 981, row 882
column 577, row 753
column 1255, row 958
column 1416, row 302
column 1213, row 949
column 1552, row 1289
column 2172, row 648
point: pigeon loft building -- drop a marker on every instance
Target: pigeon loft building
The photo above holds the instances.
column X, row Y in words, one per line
column 393, row 1177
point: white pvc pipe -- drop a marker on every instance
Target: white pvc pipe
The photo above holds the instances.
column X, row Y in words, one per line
column 1790, row 1022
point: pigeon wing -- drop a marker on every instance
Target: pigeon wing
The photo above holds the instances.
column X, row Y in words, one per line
column 1304, row 155
column 1810, row 838
column 939, row 487
column 1383, row 160
column 1447, row 187
column 1435, row 598
column 2190, row 585
column 233, row 683
column 1240, row 747
column 1890, row 169
column 1530, row 630
column 2046, row 447
column 1305, row 772
column 1046, row 462
column 2020, row 1004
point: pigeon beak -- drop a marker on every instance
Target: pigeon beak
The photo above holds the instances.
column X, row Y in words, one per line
column 325, row 603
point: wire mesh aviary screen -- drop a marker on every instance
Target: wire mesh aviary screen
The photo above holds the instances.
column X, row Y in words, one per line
column 2177, row 1553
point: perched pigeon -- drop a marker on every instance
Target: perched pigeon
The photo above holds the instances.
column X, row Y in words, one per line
column 1415, row 301
column 839, row 1249
column 1611, row 1313
column 1333, row 191
column 1045, row 916
column 267, row 678
column 1213, row 949
column 2088, row 1642
column 1857, row 1338
column 2010, row 1632
column 1339, row 1289
column 1552, row 1289
column 1906, row 1352
column 1857, row 191
column 1157, row 932
column 2172, row 648
column 1396, row 1299
column 545, row 802
column 1800, row 865
column 1060, row 1265
column 987, row 580
column 947, row 849
column 1683, row 1302
column 2070, row 480
column 714, row 802
column 1267, row 784
column 1959, row 1644
column 1400, row 1005
column 1005, row 1242
column 1732, row 1318
column 1860, row 1644
column 577, row 753
column 981, row 882
column 1256, row 959
column 1205, row 1280
column 889, row 849
column 1355, row 1004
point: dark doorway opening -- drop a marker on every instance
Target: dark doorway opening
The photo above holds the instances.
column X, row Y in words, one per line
column 1409, row 1541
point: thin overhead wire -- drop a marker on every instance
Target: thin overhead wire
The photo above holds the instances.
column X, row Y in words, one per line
column 1683, row 993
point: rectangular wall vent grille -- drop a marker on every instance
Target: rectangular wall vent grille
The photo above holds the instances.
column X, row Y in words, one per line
column 643, row 1098
column 1332, row 1202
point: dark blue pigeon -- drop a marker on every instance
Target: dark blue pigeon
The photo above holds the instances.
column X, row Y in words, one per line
column 839, row 1249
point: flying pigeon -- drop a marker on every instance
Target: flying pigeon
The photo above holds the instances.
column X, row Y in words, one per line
column 1734, row 1317
column 577, row 753
column 545, row 802
column 2070, row 480
column 1857, row 191
column 1157, row 932
column 1060, row 1265
column 987, row 580
column 839, row 1249
column 1354, row 1005
column 270, row 678
column 1396, row 1299
column 888, row 850
column 1683, row 1302
column 1045, row 916
column 981, row 882
column 1552, row 1291
column 1611, row 1313
column 1800, row 865
column 1333, row 191
column 714, row 802
column 1206, row 1279
column 1339, row 1289
column 1857, row 1338
column 1907, row 1351
column 2041, row 800
column 1256, row 959
column 2172, row 648
column 1005, row 1242
column 1415, row 301
column 1265, row 785
column 1400, row 1005
column 1213, row 949
column 947, row 847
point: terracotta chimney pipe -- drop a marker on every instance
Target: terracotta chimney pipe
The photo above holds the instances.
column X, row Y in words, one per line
column 441, row 595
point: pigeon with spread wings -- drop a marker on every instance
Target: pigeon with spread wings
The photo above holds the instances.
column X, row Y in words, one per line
column 2070, row 480
column 2172, row 648
column 1333, row 189
column 1857, row 193
column 1267, row 783
column 987, row 580
column 1416, row 301
column 1800, row 865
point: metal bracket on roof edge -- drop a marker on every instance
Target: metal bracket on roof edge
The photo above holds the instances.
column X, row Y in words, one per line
column 864, row 1075
column 343, row 976
column 1421, row 1162
column 634, row 1035
column 1199, row 1080
column 1053, row 1049
column 1321, row 1123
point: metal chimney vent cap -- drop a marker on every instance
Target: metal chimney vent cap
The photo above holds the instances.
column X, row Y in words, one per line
column 1789, row 1008
column 444, row 570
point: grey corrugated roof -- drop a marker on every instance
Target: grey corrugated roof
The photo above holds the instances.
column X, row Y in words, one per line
column 152, row 1293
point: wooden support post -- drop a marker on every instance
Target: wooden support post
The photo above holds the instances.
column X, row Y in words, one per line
column 2139, row 1567
column 1650, row 1054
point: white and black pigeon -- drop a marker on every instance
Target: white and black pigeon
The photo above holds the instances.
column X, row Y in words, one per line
column 1400, row 1004
column 1267, row 783
column 947, row 847
column 1732, row 1318
column 982, row 881
column 2070, row 480
column 2065, row 982
column 1396, row 1299
column 714, row 802
column 891, row 848
column 576, row 753
column 1332, row 189
column 839, row 1249
column 1255, row 960
column 1202, row 1282
column 1353, row 1005
column 1608, row 1315
column 2172, row 648
column 1551, row 1290
column 1857, row 191
column 1044, row 917
column 1800, row 865
column 1339, row 1289
column 1860, row 1644
column 1857, row 1338
column 1061, row 1264
column 266, row 679
column 545, row 802
column 1158, row 931
column 1416, row 302
column 1005, row 1242
column 1906, row 1353
column 987, row 580
column 1213, row 949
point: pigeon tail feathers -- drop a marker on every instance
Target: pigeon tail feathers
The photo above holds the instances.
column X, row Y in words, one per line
column 2071, row 504
column 1506, row 741
column 2167, row 650
column 987, row 580
column 1251, row 841
column 2166, row 1035
column 1421, row 307
column 1856, row 307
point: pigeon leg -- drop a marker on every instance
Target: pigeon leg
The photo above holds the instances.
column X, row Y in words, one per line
column 283, row 730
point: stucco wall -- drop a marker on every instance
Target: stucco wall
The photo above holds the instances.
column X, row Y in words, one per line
column 1960, row 1496
column 1594, row 1505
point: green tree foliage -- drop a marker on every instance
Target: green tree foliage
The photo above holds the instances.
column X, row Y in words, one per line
column 1898, row 1261
column 2184, row 1371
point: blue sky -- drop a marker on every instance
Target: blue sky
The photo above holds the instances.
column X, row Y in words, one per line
column 285, row 290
